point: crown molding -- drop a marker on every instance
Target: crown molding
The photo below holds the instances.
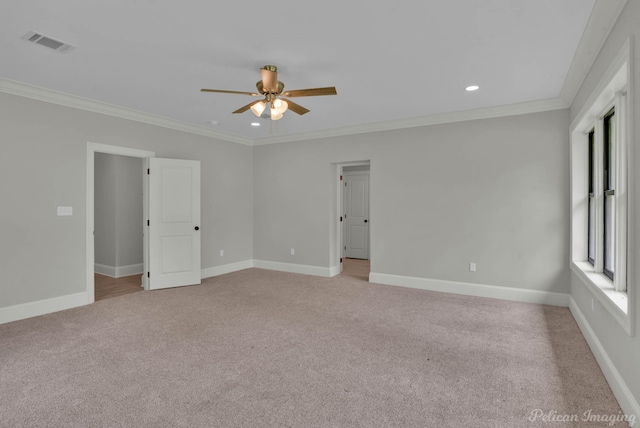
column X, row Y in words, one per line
column 603, row 17
column 435, row 119
column 60, row 98
column 67, row 100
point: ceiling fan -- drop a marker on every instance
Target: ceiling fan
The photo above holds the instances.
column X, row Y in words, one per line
column 273, row 92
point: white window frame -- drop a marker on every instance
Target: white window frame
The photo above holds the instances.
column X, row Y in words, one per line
column 613, row 91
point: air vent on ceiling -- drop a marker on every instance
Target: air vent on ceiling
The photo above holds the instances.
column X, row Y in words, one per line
column 48, row 42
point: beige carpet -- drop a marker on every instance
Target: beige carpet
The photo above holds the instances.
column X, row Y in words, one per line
column 265, row 349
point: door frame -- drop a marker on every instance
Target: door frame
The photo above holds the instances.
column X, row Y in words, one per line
column 339, row 232
column 92, row 149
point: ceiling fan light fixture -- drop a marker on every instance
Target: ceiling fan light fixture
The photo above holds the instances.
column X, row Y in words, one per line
column 275, row 114
column 270, row 88
column 258, row 108
column 280, row 105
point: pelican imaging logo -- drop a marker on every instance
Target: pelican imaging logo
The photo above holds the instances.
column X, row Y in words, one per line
column 539, row 415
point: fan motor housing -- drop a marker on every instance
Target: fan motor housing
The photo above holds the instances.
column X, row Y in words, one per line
column 260, row 87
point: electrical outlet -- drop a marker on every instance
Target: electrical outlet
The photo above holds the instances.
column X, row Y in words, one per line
column 293, row 251
column 472, row 267
column 221, row 253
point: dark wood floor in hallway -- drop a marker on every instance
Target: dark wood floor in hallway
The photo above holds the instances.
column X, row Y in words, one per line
column 356, row 267
column 107, row 287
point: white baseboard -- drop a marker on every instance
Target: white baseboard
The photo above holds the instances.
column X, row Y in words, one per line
column 228, row 268
column 105, row 270
column 334, row 270
column 293, row 268
column 469, row 289
column 42, row 307
column 118, row 271
column 129, row 270
column 628, row 403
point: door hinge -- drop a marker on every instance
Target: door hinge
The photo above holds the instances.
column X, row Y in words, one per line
column 148, row 222
column 345, row 184
column 345, row 247
column 340, row 218
column 340, row 178
column 148, row 275
column 340, row 259
column 148, row 170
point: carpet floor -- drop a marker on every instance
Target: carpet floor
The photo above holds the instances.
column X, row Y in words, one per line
column 258, row 348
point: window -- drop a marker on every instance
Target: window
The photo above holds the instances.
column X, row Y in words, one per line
column 600, row 137
column 601, row 200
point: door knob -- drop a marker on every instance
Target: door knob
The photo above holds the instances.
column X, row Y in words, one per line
column 366, row 221
column 197, row 228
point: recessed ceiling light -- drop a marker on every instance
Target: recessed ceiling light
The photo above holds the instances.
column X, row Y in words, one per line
column 472, row 88
column 255, row 124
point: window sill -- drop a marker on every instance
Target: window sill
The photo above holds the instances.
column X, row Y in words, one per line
column 615, row 302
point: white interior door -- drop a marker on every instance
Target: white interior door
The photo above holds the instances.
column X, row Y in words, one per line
column 356, row 215
column 174, row 223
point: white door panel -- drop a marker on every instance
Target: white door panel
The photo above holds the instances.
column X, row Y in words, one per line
column 357, row 215
column 176, row 254
column 177, row 203
column 174, row 223
column 357, row 237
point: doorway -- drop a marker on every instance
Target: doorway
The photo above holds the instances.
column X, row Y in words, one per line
column 92, row 150
column 118, row 225
column 354, row 213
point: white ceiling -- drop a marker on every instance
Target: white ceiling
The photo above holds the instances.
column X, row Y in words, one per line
column 388, row 60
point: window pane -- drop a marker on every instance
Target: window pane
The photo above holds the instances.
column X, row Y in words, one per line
column 591, row 212
column 609, row 201
column 609, row 141
column 590, row 160
column 612, row 140
column 592, row 231
column 609, row 237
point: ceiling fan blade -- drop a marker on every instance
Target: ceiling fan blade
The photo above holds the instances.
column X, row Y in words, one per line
column 296, row 108
column 269, row 80
column 311, row 92
column 247, row 107
column 253, row 94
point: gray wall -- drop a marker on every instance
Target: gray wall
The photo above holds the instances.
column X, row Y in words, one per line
column 43, row 165
column 493, row 192
column 118, row 210
column 623, row 350
column 105, row 209
column 129, row 211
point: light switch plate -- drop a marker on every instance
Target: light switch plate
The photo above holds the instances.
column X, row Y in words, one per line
column 65, row 211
